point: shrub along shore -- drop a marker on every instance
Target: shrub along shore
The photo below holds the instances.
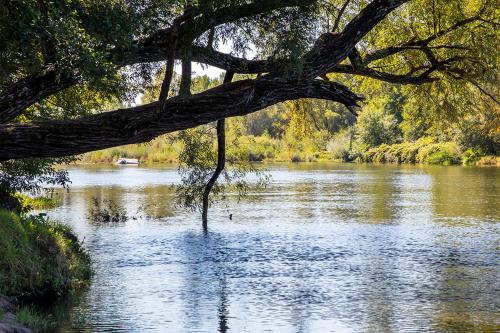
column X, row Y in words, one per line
column 265, row 148
column 39, row 260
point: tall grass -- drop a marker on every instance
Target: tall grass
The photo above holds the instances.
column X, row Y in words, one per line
column 39, row 258
column 160, row 150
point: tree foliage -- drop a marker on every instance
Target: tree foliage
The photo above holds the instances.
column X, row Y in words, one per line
column 29, row 176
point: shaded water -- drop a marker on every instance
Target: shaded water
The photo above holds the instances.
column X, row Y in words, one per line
column 326, row 248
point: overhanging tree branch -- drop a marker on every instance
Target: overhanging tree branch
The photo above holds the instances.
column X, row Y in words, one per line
column 417, row 44
column 331, row 49
column 143, row 123
column 17, row 97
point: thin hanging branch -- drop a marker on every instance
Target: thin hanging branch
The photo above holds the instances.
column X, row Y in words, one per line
column 339, row 16
column 169, row 70
column 211, row 36
column 185, row 86
column 221, row 159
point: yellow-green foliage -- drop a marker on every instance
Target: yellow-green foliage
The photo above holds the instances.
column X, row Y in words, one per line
column 254, row 148
column 39, row 257
column 28, row 203
column 423, row 151
column 446, row 153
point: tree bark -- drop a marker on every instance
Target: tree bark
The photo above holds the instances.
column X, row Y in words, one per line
column 19, row 96
column 185, row 86
column 143, row 123
column 221, row 160
column 169, row 67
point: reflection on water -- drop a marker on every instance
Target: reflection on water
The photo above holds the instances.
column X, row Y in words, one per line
column 325, row 248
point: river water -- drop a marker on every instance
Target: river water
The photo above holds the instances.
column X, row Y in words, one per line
column 324, row 248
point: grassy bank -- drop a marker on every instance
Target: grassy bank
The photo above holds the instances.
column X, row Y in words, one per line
column 39, row 259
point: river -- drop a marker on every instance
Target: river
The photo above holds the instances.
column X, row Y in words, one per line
column 324, row 248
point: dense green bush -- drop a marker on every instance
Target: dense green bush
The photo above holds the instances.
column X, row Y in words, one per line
column 443, row 153
column 254, row 149
column 41, row 202
column 29, row 176
column 424, row 151
column 39, row 257
column 374, row 127
column 473, row 155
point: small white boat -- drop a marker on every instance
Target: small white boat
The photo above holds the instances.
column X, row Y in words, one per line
column 122, row 161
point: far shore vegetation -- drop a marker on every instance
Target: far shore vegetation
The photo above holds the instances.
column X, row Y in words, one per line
column 267, row 149
column 391, row 128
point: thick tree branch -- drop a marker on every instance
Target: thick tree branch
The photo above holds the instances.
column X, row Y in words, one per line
column 143, row 123
column 185, row 86
column 331, row 49
column 32, row 89
column 241, row 65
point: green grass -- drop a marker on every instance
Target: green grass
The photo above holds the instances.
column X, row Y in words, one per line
column 33, row 319
column 39, row 258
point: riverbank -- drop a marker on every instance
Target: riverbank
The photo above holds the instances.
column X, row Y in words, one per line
column 39, row 260
column 266, row 149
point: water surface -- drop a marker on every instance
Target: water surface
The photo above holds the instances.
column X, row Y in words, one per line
column 325, row 248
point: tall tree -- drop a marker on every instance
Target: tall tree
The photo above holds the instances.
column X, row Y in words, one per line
column 50, row 50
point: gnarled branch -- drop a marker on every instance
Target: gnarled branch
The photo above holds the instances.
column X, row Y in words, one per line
column 143, row 123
